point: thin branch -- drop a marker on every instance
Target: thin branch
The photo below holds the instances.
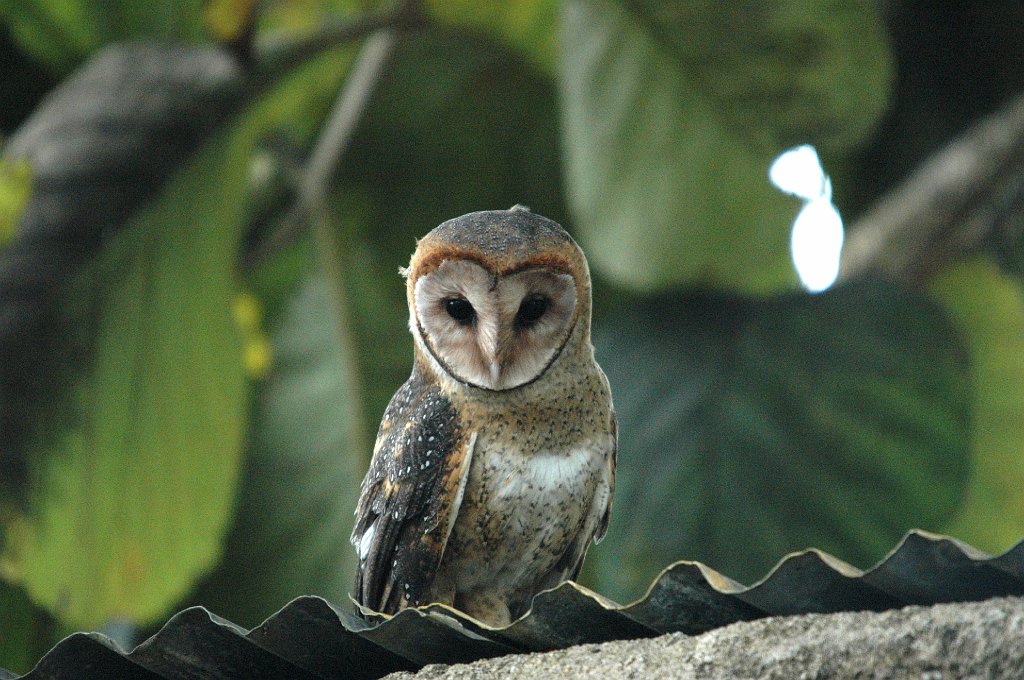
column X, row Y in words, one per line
column 348, row 110
column 311, row 207
column 948, row 207
column 330, row 147
column 311, row 204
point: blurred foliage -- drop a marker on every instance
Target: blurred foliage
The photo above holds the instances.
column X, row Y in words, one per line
column 299, row 458
column 955, row 64
column 227, row 21
column 529, row 26
column 26, row 631
column 789, row 421
column 15, row 189
column 155, row 419
column 672, row 112
column 988, row 305
column 62, row 33
column 207, row 444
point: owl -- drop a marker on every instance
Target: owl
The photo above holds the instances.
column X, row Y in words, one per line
column 494, row 466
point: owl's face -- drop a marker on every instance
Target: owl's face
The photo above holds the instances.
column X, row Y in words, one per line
column 490, row 329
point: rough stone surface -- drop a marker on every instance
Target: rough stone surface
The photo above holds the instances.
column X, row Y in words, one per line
column 942, row 642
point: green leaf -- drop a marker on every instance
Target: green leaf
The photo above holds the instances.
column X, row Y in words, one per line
column 132, row 484
column 752, row 428
column 782, row 72
column 149, row 109
column 124, row 526
column 1007, row 243
column 63, row 32
column 481, row 133
column 228, row 21
column 672, row 116
column 301, row 477
column 988, row 306
column 26, row 632
column 15, row 189
column 526, row 25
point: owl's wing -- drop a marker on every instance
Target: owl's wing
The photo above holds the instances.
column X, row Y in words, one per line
column 602, row 528
column 410, row 497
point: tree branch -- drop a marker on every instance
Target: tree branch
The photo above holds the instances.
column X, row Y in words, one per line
column 948, row 207
column 312, row 204
column 330, row 147
column 348, row 110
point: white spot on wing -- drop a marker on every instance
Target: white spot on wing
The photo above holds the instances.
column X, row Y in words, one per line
column 365, row 540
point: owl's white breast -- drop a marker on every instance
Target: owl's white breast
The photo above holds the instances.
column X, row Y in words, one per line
column 524, row 510
column 524, row 482
column 550, row 470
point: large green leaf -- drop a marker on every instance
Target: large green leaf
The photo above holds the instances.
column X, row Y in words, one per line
column 98, row 149
column 62, row 32
column 752, row 428
column 782, row 72
column 989, row 308
column 672, row 115
column 301, row 479
column 132, row 483
column 141, row 516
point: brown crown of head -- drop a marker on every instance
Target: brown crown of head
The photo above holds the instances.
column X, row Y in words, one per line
column 503, row 242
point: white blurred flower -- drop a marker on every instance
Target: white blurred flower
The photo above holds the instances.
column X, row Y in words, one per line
column 817, row 236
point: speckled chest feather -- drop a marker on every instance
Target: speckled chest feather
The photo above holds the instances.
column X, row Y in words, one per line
column 537, row 489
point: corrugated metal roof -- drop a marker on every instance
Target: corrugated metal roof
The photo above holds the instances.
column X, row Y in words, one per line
column 312, row 638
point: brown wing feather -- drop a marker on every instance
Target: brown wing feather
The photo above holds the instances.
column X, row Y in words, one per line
column 409, row 498
column 602, row 528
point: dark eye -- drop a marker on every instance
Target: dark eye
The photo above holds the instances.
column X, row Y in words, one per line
column 531, row 310
column 460, row 310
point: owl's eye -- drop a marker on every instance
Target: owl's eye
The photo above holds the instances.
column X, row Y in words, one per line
column 460, row 310
column 531, row 310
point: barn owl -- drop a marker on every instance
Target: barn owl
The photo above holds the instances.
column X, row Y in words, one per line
column 494, row 466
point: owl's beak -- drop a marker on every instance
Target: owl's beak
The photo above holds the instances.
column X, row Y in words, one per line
column 492, row 348
column 489, row 342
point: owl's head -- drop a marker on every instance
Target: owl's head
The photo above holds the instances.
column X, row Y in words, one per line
column 496, row 296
